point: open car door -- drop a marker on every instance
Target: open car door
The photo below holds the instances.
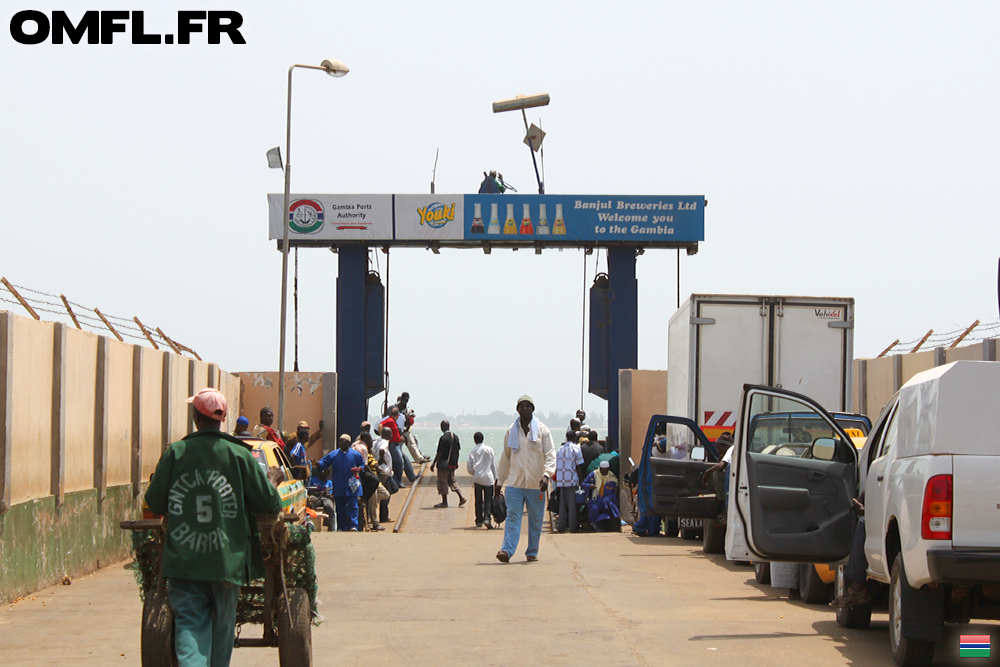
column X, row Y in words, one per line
column 795, row 473
column 670, row 480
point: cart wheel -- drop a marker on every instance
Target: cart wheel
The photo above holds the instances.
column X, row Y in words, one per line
column 295, row 640
column 158, row 630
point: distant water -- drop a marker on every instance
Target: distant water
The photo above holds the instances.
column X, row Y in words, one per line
column 492, row 436
column 428, row 439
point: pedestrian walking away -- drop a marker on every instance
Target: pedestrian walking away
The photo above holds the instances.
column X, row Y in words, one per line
column 482, row 465
column 569, row 470
column 210, row 487
column 446, row 460
column 528, row 462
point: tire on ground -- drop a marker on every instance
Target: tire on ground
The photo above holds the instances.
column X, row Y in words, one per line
column 295, row 639
column 762, row 573
column 714, row 538
column 157, row 645
column 671, row 526
column 812, row 589
column 905, row 652
column 689, row 533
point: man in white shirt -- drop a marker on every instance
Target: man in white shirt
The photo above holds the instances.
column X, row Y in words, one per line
column 528, row 462
column 482, row 465
column 380, row 450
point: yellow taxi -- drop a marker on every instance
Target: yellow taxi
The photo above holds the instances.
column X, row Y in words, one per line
column 292, row 491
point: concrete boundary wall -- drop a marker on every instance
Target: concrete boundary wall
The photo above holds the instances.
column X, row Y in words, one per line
column 879, row 379
column 84, row 420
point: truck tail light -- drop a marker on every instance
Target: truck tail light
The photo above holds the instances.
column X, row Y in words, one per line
column 935, row 521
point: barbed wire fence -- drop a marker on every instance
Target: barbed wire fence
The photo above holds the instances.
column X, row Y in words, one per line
column 976, row 332
column 83, row 317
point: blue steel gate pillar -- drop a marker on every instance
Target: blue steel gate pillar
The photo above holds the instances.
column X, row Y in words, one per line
column 623, row 332
column 352, row 268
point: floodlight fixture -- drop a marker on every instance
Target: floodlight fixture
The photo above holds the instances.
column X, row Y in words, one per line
column 521, row 102
column 274, row 158
column 533, row 140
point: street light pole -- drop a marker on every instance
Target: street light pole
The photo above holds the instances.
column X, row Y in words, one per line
column 334, row 68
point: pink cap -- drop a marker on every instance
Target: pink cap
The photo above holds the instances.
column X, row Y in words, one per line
column 211, row 403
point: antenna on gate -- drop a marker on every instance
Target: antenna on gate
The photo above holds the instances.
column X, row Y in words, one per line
column 434, row 172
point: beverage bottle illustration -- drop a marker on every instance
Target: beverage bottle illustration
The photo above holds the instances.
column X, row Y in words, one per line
column 526, row 226
column 543, row 222
column 509, row 226
column 559, row 227
column 494, row 220
column 477, row 220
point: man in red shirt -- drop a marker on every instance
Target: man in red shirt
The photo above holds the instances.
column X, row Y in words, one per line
column 400, row 463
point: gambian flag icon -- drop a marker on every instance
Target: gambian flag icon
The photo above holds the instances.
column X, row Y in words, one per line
column 974, row 646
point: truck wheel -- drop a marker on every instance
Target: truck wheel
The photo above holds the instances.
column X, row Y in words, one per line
column 295, row 639
column 905, row 652
column 714, row 538
column 860, row 615
column 762, row 573
column 671, row 526
column 157, row 647
column 689, row 533
column 812, row 589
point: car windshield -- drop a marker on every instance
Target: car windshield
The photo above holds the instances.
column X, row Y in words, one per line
column 773, row 430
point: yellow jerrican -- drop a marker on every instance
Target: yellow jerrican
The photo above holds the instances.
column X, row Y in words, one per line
column 441, row 214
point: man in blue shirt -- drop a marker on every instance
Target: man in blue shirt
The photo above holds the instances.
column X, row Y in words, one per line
column 344, row 464
column 297, row 454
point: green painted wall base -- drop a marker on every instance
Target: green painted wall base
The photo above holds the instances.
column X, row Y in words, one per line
column 40, row 543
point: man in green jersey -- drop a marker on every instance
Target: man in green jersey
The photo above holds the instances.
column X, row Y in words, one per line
column 207, row 485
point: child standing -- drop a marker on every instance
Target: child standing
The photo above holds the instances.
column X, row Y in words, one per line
column 482, row 465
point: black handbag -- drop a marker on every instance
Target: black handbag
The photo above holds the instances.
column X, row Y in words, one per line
column 499, row 508
column 391, row 485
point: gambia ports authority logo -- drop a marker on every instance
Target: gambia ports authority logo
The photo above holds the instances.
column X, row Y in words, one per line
column 305, row 216
column 436, row 215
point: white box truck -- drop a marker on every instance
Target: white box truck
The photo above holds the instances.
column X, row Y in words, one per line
column 716, row 343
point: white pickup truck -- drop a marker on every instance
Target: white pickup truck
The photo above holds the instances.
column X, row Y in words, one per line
column 931, row 475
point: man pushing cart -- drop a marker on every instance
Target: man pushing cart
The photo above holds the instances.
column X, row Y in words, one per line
column 214, row 498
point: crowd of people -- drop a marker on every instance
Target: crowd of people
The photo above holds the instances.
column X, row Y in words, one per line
column 351, row 486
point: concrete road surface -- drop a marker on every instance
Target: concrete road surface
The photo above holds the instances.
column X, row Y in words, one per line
column 435, row 595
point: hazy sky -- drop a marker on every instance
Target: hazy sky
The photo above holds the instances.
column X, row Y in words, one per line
column 845, row 149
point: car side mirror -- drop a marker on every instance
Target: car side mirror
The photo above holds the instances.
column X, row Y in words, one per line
column 824, row 449
column 300, row 472
column 698, row 453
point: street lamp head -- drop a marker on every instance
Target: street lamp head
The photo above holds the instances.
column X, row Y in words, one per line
column 334, row 67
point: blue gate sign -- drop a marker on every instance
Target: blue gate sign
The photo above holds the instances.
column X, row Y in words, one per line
column 581, row 218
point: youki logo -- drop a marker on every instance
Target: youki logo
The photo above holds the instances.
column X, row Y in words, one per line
column 437, row 215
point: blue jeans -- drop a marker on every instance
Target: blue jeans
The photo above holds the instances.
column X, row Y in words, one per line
column 347, row 512
column 516, row 500
column 400, row 464
column 204, row 621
